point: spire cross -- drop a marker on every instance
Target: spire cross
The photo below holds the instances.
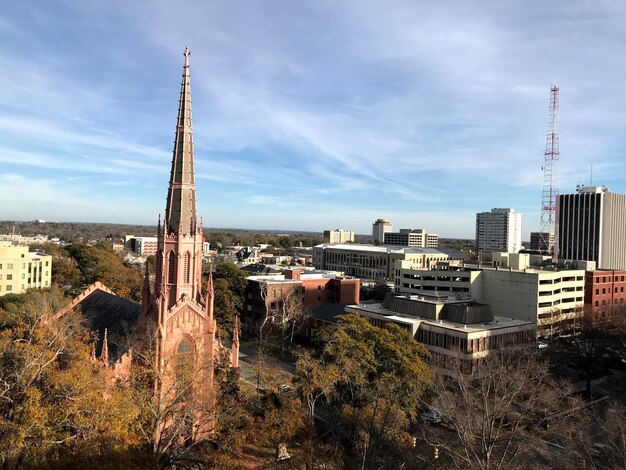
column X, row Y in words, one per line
column 187, row 53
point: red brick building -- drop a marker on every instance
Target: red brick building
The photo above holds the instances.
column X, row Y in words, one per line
column 605, row 291
column 313, row 288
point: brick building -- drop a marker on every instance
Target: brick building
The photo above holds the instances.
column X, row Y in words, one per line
column 314, row 288
column 605, row 291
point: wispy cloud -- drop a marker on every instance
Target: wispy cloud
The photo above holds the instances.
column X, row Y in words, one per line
column 421, row 112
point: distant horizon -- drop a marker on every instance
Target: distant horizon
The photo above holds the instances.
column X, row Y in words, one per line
column 265, row 230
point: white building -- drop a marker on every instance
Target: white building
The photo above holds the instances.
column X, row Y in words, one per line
column 553, row 299
column 339, row 236
column 379, row 228
column 498, row 230
column 411, row 237
column 375, row 262
column 21, row 269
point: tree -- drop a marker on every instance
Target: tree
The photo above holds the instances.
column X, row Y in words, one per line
column 372, row 381
column 53, row 405
column 100, row 264
column 504, row 415
column 227, row 305
column 286, row 317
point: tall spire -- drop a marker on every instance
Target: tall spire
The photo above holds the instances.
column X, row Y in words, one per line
column 104, row 355
column 180, row 211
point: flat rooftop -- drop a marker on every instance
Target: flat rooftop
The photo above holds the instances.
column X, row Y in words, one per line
column 386, row 249
column 496, row 324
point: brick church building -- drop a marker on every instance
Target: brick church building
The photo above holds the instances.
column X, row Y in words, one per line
column 175, row 319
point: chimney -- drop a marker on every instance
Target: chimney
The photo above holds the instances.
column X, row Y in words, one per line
column 293, row 274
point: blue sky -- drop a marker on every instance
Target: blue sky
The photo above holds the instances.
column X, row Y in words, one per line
column 307, row 115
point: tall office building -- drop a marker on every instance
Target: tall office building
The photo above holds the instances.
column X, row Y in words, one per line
column 592, row 227
column 498, row 230
column 379, row 228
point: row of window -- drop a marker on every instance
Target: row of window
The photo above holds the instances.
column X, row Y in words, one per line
column 604, row 302
column 615, row 279
column 604, row 289
column 10, row 265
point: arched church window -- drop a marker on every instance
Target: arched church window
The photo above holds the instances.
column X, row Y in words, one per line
column 185, row 360
column 187, row 263
column 171, row 265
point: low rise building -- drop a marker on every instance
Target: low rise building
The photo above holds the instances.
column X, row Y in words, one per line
column 376, row 262
column 605, row 293
column 144, row 246
column 313, row 288
column 552, row 298
column 451, row 329
column 21, row 270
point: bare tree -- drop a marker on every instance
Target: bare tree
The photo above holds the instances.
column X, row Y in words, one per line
column 508, row 412
column 284, row 316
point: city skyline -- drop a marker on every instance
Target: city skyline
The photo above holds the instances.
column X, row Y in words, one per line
column 421, row 115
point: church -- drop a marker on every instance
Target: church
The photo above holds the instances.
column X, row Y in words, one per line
column 174, row 318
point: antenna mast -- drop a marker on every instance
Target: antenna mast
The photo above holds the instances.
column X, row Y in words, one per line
column 549, row 222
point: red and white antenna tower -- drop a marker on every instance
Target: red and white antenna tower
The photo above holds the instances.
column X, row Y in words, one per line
column 549, row 222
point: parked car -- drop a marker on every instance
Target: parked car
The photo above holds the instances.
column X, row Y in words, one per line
column 431, row 414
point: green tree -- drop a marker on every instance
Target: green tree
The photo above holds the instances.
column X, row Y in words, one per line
column 226, row 305
column 372, row 381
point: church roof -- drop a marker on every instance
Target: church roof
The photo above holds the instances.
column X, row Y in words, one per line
column 180, row 211
column 102, row 309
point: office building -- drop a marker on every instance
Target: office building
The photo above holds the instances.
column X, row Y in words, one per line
column 498, row 230
column 412, row 237
column 339, row 236
column 449, row 328
column 605, row 293
column 21, row 270
column 551, row 298
column 379, row 228
column 313, row 288
column 375, row 262
column 538, row 242
column 592, row 227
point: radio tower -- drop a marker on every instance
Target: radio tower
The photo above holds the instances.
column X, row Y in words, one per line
column 549, row 222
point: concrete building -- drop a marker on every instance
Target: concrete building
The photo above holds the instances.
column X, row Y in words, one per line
column 339, row 236
column 605, row 293
column 21, row 270
column 592, row 227
column 144, row 246
column 412, row 237
column 379, row 228
column 449, row 328
column 314, row 288
column 498, row 230
column 553, row 299
column 538, row 242
column 375, row 262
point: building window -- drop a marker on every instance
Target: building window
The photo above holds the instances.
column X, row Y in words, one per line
column 187, row 262
column 171, row 265
column 9, row 288
column 9, row 265
column 9, row 277
column 597, row 291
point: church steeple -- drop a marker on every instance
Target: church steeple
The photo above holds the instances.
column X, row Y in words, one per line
column 180, row 211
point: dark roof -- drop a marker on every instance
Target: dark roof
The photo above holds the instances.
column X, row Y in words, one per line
column 102, row 310
column 328, row 312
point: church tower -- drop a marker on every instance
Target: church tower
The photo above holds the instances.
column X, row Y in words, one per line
column 176, row 313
